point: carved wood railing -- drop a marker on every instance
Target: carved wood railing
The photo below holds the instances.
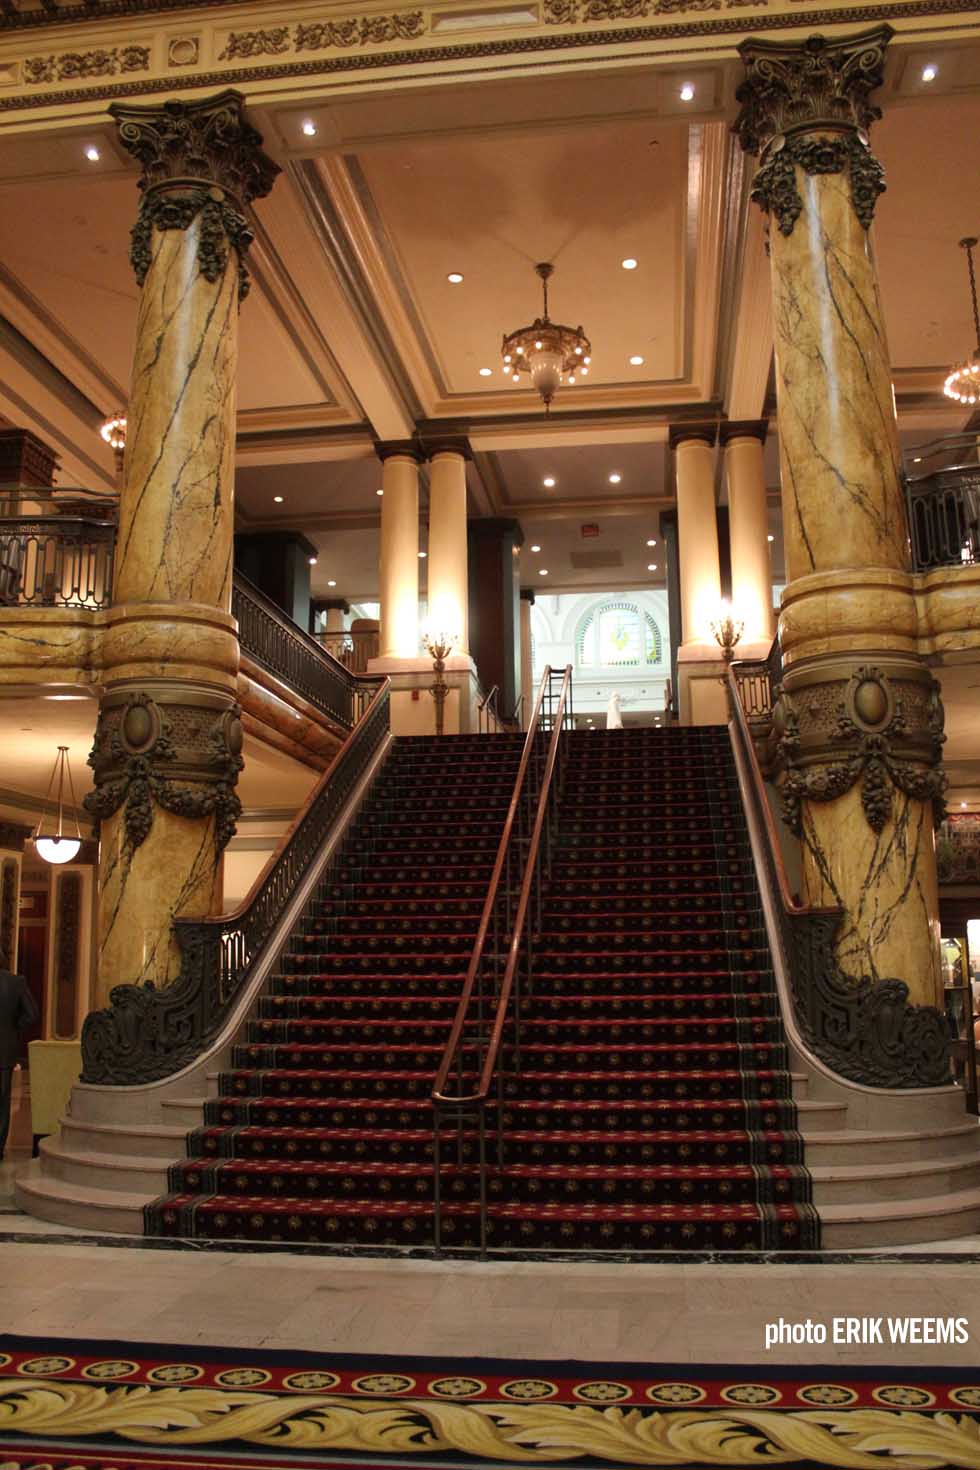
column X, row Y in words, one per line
column 863, row 1030
column 146, row 1034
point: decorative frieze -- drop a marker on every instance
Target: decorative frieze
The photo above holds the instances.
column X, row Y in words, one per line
column 73, row 66
column 570, row 12
column 172, row 747
column 351, row 30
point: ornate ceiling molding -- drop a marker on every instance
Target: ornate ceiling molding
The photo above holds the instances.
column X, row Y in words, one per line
column 184, row 62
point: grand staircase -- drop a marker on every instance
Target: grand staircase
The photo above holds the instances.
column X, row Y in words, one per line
column 653, row 1105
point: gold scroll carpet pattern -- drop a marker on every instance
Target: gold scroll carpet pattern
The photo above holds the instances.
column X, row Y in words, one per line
column 65, row 1404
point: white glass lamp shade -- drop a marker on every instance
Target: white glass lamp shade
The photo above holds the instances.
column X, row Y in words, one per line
column 57, row 849
column 546, row 369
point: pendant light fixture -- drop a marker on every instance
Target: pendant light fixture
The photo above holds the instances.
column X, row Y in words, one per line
column 113, row 431
column 963, row 383
column 550, row 353
column 59, row 848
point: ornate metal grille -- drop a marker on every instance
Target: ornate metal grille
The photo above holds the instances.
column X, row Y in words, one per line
column 56, row 561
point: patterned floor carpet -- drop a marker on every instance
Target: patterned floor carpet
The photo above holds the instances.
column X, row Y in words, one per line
column 131, row 1406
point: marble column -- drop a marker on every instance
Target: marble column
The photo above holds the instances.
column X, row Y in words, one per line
column 399, row 558
column 748, row 526
column 527, row 659
column 697, row 529
column 168, row 743
column 860, row 715
column 448, row 562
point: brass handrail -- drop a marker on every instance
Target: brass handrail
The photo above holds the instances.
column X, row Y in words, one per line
column 479, row 944
column 477, row 1100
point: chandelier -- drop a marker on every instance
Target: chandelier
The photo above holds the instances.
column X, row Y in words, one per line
column 58, row 848
column 963, row 383
column 551, row 353
column 113, row 431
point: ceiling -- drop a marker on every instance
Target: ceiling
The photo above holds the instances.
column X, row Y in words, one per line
column 352, row 332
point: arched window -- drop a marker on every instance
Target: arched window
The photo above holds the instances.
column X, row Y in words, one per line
column 617, row 635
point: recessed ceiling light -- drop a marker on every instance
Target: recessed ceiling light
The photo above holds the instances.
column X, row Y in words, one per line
column 548, row 481
column 331, row 584
column 486, row 372
column 614, row 478
column 379, row 492
column 651, row 543
column 309, row 127
column 423, row 555
column 454, row 278
column 651, row 566
column 687, row 92
column 636, row 360
column 277, row 499
column 962, row 803
column 535, row 548
column 770, row 538
column 543, row 572
column 629, row 264
column 930, row 73
column 312, row 561
column 92, row 153
column 918, row 459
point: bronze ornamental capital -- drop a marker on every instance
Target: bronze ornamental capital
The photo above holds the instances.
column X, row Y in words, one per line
column 201, row 161
column 809, row 86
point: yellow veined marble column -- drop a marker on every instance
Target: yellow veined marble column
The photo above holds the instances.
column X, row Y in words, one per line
column 748, row 525
column 697, row 529
column 399, row 558
column 168, row 744
column 859, row 713
column 447, row 561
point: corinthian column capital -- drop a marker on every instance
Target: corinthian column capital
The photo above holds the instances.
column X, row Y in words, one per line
column 807, row 105
column 809, row 86
column 199, row 159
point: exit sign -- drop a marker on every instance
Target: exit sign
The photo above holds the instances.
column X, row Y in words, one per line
column 590, row 530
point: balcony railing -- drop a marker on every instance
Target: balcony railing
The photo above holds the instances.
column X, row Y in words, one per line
column 958, row 851
column 56, row 551
column 352, row 648
column 57, row 548
column 944, row 503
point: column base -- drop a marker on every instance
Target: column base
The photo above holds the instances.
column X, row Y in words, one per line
column 412, row 705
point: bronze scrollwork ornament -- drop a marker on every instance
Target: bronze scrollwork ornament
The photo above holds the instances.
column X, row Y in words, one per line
column 885, row 749
column 184, row 758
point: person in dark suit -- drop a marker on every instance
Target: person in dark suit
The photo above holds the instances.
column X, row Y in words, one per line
column 17, row 1012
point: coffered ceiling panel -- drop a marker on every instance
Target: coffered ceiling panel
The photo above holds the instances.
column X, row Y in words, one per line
column 64, row 248
column 489, row 208
column 932, row 200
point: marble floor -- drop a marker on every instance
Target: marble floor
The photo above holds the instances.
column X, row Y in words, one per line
column 65, row 1284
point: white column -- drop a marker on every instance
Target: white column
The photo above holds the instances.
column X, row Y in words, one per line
column 527, row 666
column 748, row 529
column 335, row 619
column 697, row 531
column 447, row 563
column 399, row 564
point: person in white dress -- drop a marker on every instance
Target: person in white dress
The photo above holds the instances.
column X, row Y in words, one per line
column 614, row 714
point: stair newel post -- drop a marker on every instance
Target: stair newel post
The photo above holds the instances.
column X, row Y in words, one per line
column 436, row 1181
column 482, row 1128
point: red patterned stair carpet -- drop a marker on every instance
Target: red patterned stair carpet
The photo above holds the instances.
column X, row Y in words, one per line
column 653, row 1110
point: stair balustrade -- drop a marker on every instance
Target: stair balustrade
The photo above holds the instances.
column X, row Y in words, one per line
column 60, row 555
column 499, row 974
column 861, row 1029
column 146, row 1034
